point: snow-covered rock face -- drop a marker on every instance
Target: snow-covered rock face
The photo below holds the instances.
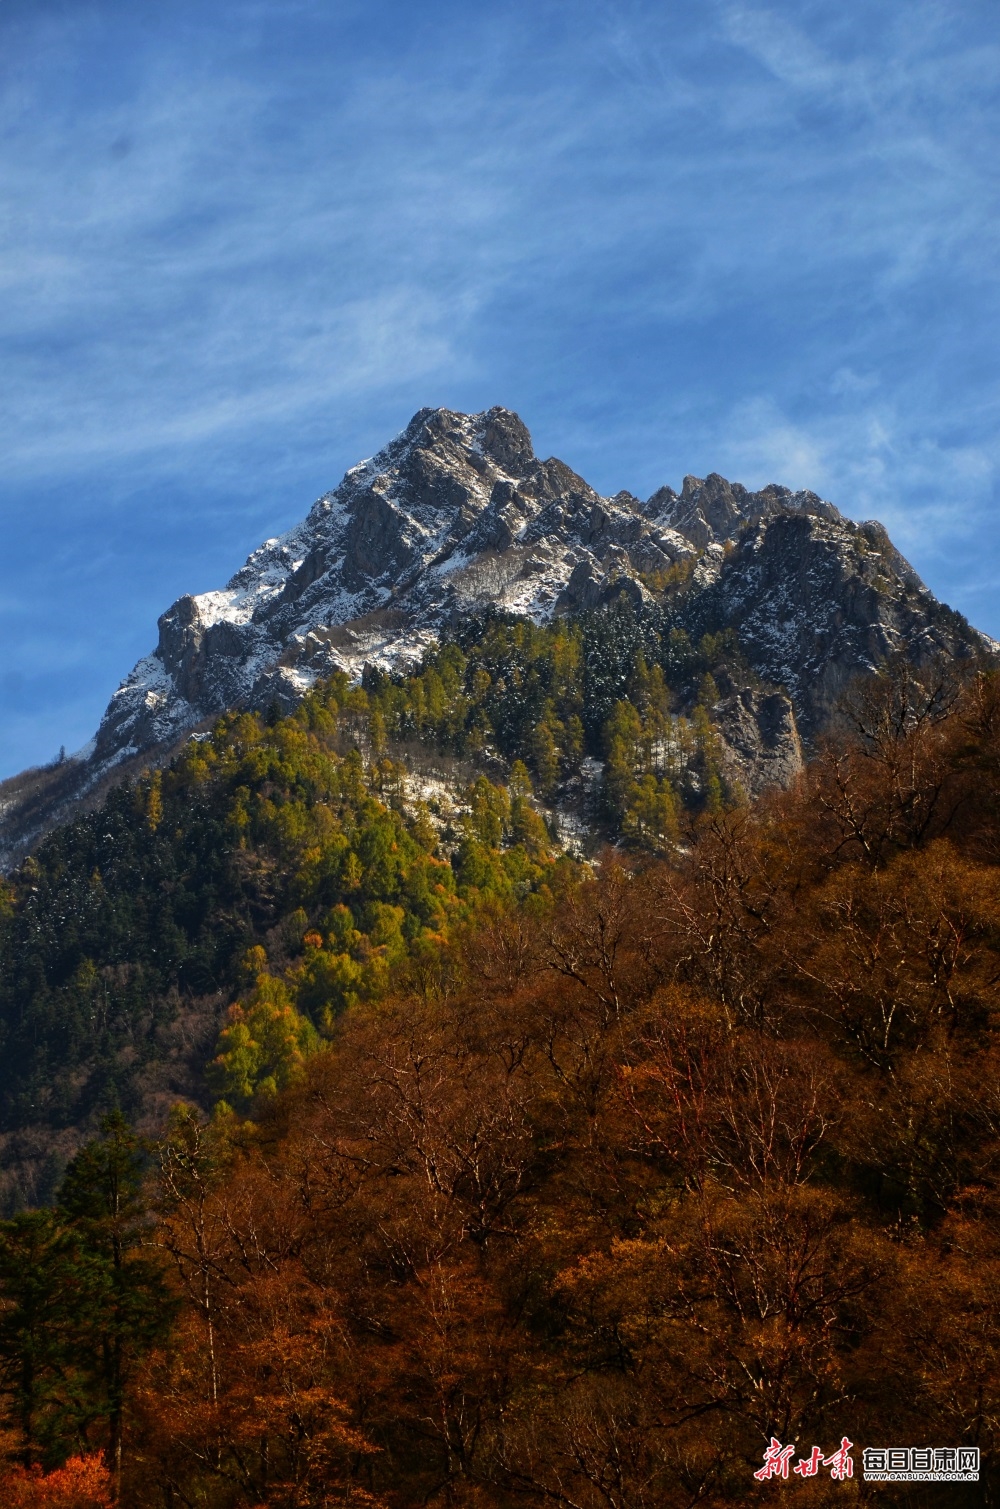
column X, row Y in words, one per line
column 456, row 513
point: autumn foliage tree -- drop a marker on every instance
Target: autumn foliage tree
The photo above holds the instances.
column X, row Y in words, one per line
column 82, row 1483
column 647, row 1167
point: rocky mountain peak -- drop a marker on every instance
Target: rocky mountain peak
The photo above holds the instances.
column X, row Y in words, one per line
column 506, row 442
column 711, row 510
column 457, row 514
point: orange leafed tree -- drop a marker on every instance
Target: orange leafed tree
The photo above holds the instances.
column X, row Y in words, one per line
column 83, row 1483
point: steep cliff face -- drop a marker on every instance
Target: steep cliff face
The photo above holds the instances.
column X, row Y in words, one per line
column 760, row 739
column 457, row 513
column 816, row 601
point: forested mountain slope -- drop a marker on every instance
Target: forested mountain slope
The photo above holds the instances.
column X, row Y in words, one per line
column 622, row 1175
column 130, row 931
column 369, row 821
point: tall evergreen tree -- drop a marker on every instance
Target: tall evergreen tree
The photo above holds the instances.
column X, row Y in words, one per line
column 104, row 1204
column 49, row 1285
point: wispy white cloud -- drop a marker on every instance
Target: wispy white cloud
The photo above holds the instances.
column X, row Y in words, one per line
column 208, row 270
column 239, row 246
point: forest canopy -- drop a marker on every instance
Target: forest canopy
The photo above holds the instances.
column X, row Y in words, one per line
column 302, row 863
column 608, row 1175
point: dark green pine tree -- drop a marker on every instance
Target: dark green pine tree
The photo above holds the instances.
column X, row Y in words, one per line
column 50, row 1287
column 102, row 1200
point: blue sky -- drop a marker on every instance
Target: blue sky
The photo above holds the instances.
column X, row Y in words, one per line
column 242, row 241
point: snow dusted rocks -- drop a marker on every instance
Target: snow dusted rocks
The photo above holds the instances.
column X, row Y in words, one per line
column 817, row 601
column 457, row 513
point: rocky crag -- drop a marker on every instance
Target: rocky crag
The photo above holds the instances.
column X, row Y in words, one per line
column 457, row 513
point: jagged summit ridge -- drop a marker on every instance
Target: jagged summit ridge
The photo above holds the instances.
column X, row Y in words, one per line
column 455, row 512
column 458, row 514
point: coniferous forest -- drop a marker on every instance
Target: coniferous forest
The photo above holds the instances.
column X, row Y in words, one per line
column 364, row 1149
